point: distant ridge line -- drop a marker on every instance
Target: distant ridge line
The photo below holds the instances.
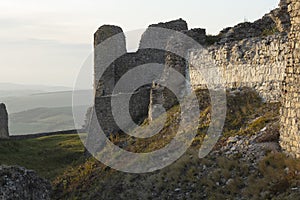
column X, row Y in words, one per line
column 37, row 135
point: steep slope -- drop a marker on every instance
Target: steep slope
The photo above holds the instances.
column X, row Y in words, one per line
column 245, row 164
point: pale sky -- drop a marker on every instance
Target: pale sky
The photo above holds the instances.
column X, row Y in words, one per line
column 47, row 41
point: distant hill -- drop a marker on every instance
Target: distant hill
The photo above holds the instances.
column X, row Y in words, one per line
column 13, row 90
column 38, row 109
column 9, row 88
column 41, row 120
column 47, row 100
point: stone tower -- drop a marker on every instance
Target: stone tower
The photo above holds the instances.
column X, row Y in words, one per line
column 112, row 61
column 290, row 111
column 112, row 39
column 3, row 122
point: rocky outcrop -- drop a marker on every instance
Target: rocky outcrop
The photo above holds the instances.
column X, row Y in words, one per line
column 281, row 17
column 247, row 30
column 255, row 147
column 277, row 21
column 4, row 134
column 17, row 183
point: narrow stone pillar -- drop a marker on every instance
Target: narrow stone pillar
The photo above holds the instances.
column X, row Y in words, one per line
column 4, row 134
column 290, row 111
column 109, row 44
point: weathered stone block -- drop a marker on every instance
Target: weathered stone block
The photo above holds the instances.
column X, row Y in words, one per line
column 4, row 134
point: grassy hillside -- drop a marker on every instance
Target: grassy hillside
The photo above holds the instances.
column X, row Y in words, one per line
column 221, row 175
column 224, row 174
column 49, row 156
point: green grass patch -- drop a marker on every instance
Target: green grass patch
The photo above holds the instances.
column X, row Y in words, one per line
column 212, row 39
column 49, row 156
column 269, row 31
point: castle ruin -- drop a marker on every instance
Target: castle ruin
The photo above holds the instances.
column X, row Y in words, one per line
column 263, row 55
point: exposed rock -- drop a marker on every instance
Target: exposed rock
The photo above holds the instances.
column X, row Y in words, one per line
column 281, row 17
column 253, row 148
column 18, row 183
column 277, row 20
column 4, row 134
column 247, row 30
column 270, row 134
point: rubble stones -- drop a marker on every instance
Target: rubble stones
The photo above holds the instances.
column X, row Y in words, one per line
column 19, row 183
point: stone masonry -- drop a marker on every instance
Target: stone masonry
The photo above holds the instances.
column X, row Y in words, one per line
column 263, row 55
column 177, row 43
column 290, row 112
column 246, row 55
column 253, row 62
column 4, row 134
column 115, row 56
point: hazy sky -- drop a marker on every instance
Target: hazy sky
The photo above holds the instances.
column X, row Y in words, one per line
column 46, row 41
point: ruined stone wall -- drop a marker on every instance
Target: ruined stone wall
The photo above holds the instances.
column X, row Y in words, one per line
column 245, row 56
column 290, row 111
column 113, row 44
column 4, row 134
column 113, row 62
column 177, row 44
column 254, row 62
